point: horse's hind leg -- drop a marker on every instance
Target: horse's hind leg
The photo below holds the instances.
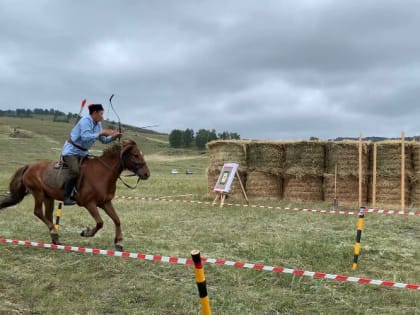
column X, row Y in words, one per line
column 110, row 210
column 49, row 211
column 38, row 210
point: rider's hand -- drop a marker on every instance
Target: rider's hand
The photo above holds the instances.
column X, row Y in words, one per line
column 117, row 135
column 108, row 132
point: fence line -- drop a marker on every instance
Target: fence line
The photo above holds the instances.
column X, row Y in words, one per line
column 238, row 264
column 321, row 211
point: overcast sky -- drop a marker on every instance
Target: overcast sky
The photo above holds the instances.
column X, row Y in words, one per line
column 264, row 69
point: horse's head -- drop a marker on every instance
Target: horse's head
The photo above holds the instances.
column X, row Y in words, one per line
column 132, row 159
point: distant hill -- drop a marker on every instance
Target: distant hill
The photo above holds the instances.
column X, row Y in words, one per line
column 375, row 139
column 45, row 133
column 59, row 116
column 44, row 130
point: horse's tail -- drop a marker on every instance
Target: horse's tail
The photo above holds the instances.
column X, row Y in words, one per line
column 17, row 190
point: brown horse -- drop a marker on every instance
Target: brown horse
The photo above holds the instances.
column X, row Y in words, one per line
column 96, row 187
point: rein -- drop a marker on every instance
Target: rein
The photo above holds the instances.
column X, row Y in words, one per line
column 121, row 163
column 127, row 185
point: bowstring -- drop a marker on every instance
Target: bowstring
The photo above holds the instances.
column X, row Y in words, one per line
column 113, row 109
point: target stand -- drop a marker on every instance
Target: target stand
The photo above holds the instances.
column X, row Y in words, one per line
column 224, row 183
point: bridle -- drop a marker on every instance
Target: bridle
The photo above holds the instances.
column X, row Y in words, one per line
column 135, row 166
column 123, row 165
column 123, row 161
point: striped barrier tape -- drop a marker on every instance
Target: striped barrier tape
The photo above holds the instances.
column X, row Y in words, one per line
column 321, row 211
column 238, row 264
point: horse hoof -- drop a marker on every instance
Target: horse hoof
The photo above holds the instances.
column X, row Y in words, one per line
column 118, row 247
column 55, row 239
column 85, row 232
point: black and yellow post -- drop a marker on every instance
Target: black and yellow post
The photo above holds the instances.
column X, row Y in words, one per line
column 201, row 282
column 360, row 222
column 57, row 216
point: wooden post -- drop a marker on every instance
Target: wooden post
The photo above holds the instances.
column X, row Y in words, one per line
column 362, row 211
column 222, row 196
column 335, row 202
column 374, row 177
column 242, row 188
column 360, row 170
column 200, row 279
column 58, row 216
column 402, row 171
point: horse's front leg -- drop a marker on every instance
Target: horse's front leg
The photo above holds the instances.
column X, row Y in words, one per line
column 93, row 210
column 110, row 210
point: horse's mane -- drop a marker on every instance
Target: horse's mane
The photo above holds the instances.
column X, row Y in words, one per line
column 111, row 150
column 116, row 148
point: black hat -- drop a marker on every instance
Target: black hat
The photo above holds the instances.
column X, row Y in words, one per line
column 95, row 108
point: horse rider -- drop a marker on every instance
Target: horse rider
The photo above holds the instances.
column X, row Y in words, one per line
column 81, row 139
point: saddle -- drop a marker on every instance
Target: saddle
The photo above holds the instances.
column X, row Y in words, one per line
column 60, row 164
column 57, row 173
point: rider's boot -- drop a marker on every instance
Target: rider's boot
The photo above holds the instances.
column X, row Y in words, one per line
column 68, row 189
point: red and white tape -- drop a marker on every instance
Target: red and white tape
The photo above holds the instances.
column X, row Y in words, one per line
column 321, row 211
column 238, row 264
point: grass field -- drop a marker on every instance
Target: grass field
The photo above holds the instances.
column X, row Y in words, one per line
column 42, row 281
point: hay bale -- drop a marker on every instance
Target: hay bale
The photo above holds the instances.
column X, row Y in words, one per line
column 305, row 158
column 263, row 185
column 388, row 159
column 416, row 156
column 303, row 188
column 388, row 191
column 228, row 151
column 345, row 154
column 347, row 189
column 235, row 190
column 415, row 190
column 268, row 157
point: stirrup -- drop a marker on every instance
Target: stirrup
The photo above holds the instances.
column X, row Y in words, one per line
column 69, row 202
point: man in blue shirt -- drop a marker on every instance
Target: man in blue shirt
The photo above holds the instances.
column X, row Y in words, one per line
column 81, row 139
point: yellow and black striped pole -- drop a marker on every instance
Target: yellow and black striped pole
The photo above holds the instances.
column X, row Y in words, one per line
column 358, row 237
column 57, row 216
column 201, row 282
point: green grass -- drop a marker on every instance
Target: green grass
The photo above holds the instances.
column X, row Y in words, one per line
column 42, row 281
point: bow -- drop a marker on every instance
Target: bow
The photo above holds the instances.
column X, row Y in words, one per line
column 113, row 109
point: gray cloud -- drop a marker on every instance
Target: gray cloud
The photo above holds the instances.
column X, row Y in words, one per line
column 270, row 70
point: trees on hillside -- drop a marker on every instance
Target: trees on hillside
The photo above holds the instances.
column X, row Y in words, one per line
column 185, row 138
column 188, row 137
column 175, row 138
column 203, row 136
column 22, row 112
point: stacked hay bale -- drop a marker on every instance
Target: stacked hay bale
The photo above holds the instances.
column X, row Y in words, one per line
column 344, row 184
column 388, row 173
column 227, row 151
column 415, row 188
column 266, row 163
column 304, row 169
